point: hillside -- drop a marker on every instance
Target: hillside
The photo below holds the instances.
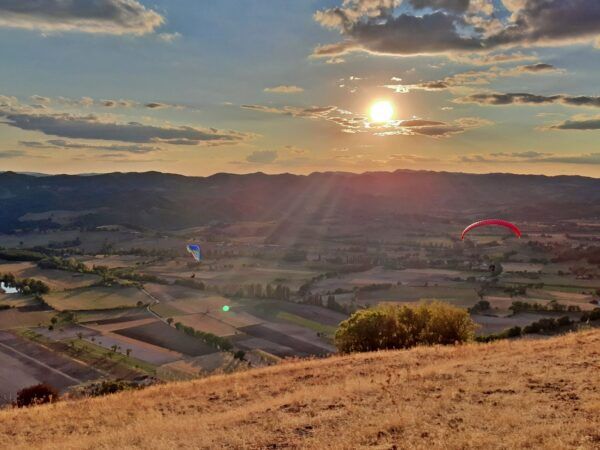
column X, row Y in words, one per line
column 519, row 394
column 167, row 201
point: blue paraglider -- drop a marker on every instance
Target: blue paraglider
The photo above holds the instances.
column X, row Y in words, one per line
column 196, row 251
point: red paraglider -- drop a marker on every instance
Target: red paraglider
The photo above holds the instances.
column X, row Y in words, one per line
column 491, row 222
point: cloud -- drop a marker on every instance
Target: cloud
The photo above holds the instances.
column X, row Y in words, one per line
column 578, row 123
column 474, row 77
column 528, row 154
column 262, row 157
column 41, row 100
column 156, row 105
column 9, row 154
column 491, row 58
column 313, row 112
column 284, row 89
column 536, row 68
column 532, row 157
column 63, row 144
column 169, row 37
column 93, row 127
column 358, row 123
column 99, row 16
column 524, row 98
column 456, row 26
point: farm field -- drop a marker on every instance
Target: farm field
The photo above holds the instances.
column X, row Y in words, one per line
column 23, row 363
column 299, row 346
column 162, row 335
column 138, row 349
column 114, row 261
column 243, row 271
column 380, row 275
column 112, row 316
column 96, row 298
column 57, row 280
column 459, row 295
column 14, row 318
column 206, row 323
column 491, row 325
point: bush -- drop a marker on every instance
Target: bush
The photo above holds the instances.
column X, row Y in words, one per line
column 394, row 327
column 591, row 315
column 218, row 342
column 36, row 395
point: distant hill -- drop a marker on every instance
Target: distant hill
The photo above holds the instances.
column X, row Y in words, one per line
column 166, row 201
column 505, row 395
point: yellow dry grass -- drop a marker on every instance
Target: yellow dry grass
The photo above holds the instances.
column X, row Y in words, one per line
column 504, row 395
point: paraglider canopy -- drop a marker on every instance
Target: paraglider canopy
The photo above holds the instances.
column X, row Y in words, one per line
column 492, row 222
column 195, row 250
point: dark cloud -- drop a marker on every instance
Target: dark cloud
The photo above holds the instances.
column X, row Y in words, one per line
column 541, row 67
column 529, row 99
column 589, row 158
column 403, row 35
column 458, row 26
column 262, row 156
column 156, row 105
column 458, row 6
column 93, row 127
column 579, row 124
column 97, row 16
column 8, row 154
column 532, row 157
column 550, row 21
column 62, row 144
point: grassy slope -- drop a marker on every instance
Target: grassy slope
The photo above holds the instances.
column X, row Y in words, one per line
column 535, row 394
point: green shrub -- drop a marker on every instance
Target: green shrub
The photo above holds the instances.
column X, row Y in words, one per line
column 394, row 327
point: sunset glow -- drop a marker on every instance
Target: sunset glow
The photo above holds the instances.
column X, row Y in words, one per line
column 381, row 111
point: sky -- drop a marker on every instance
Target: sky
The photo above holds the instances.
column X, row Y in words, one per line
column 199, row 87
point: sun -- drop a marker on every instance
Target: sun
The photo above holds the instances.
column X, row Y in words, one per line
column 381, row 111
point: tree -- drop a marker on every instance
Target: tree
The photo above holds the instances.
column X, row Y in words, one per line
column 394, row 327
column 128, row 352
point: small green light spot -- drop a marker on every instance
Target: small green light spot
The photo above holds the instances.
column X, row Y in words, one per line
column 225, row 308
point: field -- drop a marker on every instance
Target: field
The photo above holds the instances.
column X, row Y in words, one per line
column 440, row 397
column 206, row 323
column 384, row 276
column 13, row 318
column 58, row 280
column 114, row 261
column 23, row 363
column 96, row 298
column 162, row 335
column 459, row 295
column 243, row 271
column 138, row 349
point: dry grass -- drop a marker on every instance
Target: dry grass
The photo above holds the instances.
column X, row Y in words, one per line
column 505, row 395
column 98, row 297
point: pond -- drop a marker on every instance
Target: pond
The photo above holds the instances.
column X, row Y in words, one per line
column 8, row 289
